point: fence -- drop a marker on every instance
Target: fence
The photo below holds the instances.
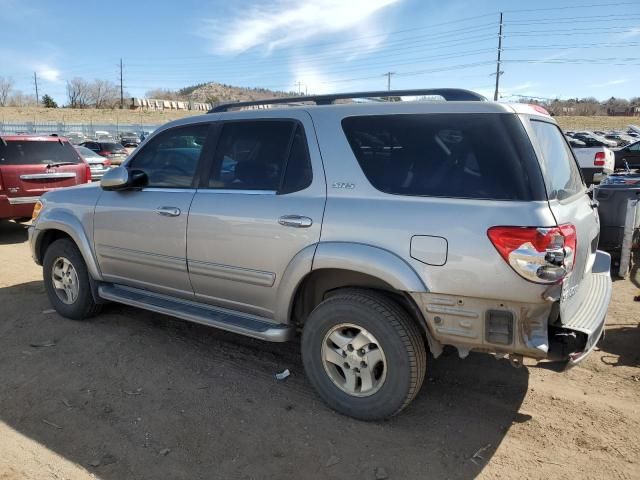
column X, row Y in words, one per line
column 88, row 129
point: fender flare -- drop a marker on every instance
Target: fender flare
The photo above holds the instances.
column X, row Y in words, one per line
column 357, row 257
column 65, row 221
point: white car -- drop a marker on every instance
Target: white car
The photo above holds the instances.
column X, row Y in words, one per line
column 595, row 162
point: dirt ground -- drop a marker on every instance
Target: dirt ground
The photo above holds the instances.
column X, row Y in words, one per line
column 135, row 395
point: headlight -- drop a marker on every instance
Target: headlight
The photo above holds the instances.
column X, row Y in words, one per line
column 36, row 209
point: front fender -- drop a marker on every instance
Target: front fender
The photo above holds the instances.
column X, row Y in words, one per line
column 65, row 221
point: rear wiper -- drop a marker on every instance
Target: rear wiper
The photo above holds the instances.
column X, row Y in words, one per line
column 58, row 164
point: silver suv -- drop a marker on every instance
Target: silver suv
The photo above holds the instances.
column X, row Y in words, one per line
column 377, row 229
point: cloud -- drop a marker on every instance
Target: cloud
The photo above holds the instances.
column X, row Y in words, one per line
column 287, row 22
column 48, row 73
column 610, row 83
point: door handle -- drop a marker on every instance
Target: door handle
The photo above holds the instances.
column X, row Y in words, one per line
column 168, row 211
column 296, row 221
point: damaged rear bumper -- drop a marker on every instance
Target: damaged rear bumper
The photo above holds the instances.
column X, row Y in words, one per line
column 586, row 325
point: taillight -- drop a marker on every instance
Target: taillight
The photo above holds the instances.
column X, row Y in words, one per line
column 598, row 160
column 541, row 255
column 87, row 172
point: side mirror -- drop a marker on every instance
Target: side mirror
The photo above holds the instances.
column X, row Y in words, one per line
column 120, row 178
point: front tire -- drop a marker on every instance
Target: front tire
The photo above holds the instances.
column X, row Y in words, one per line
column 66, row 281
column 363, row 354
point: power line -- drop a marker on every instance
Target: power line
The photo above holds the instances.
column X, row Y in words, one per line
column 571, row 7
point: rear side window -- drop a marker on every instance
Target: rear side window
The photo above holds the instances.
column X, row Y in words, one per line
column 261, row 155
column 444, row 155
column 25, row 152
column 559, row 168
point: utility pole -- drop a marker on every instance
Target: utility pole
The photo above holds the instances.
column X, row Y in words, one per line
column 388, row 75
column 299, row 83
column 121, row 90
column 498, row 72
column 35, row 81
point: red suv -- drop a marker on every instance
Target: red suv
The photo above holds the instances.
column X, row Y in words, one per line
column 31, row 165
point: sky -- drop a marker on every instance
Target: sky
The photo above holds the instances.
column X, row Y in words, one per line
column 551, row 48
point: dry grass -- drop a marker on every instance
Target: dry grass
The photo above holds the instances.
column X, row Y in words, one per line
column 596, row 122
column 98, row 116
column 68, row 115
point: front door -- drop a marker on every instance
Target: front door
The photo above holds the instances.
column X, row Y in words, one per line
column 260, row 205
column 140, row 235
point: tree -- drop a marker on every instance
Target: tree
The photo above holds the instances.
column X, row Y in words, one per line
column 104, row 94
column 78, row 93
column 19, row 99
column 6, row 85
column 48, row 102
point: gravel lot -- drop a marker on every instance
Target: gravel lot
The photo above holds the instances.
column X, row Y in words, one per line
column 133, row 394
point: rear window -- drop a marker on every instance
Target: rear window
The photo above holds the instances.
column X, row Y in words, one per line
column 445, row 155
column 559, row 168
column 29, row 152
column 112, row 147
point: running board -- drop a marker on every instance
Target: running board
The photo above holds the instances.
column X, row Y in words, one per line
column 222, row 318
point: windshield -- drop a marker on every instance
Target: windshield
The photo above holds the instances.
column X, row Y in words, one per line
column 29, row 152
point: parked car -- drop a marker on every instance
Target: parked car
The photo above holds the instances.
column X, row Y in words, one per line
column 594, row 140
column 129, row 139
column 375, row 228
column 628, row 156
column 98, row 164
column 595, row 162
column 115, row 152
column 75, row 138
column 31, row 165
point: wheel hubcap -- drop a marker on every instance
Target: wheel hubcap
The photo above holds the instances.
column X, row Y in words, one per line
column 354, row 360
column 65, row 280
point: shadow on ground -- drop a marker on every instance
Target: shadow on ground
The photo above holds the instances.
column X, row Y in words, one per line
column 132, row 394
column 621, row 346
column 11, row 232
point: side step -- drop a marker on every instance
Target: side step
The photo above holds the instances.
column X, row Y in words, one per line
column 244, row 324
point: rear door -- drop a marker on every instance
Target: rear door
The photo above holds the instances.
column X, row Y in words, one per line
column 632, row 155
column 31, row 166
column 570, row 204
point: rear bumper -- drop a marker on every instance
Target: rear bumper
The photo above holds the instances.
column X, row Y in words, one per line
column 589, row 319
column 16, row 207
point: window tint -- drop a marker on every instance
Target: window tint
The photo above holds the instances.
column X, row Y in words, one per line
column 171, row 158
column 112, row 147
column 298, row 174
column 559, row 168
column 634, row 147
column 444, row 155
column 251, row 155
column 24, row 152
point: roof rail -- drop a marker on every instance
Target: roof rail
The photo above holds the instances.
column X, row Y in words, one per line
column 449, row 94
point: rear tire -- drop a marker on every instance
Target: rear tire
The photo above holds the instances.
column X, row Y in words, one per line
column 66, row 281
column 363, row 354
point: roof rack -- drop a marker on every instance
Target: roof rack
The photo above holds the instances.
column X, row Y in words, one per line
column 449, row 94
